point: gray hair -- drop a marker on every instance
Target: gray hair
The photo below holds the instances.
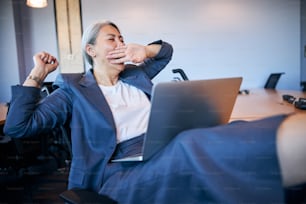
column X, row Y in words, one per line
column 90, row 36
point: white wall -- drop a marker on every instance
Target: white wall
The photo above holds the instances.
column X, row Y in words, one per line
column 39, row 30
column 24, row 31
column 8, row 60
column 214, row 38
column 303, row 41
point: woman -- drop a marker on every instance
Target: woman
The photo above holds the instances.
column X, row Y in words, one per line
column 85, row 101
column 107, row 112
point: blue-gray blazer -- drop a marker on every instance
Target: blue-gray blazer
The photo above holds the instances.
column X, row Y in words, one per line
column 79, row 102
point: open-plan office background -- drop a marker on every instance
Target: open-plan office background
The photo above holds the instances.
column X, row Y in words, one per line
column 211, row 38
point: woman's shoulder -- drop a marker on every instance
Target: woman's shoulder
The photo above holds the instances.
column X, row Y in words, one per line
column 63, row 79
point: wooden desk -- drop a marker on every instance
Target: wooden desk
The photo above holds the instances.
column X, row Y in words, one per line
column 3, row 111
column 257, row 104
column 261, row 103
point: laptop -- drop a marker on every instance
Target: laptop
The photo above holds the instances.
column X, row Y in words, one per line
column 184, row 105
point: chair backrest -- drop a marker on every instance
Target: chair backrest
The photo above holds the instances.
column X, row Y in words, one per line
column 273, row 80
column 303, row 84
column 181, row 72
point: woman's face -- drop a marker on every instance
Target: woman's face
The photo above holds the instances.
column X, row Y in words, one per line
column 107, row 40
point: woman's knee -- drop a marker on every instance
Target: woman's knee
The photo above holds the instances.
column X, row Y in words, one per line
column 291, row 142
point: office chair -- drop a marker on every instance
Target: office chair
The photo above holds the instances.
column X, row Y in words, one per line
column 303, row 84
column 273, row 80
column 182, row 73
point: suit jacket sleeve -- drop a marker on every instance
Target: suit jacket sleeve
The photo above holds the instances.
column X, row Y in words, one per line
column 152, row 66
column 29, row 115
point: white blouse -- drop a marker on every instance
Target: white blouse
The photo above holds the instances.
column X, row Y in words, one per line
column 130, row 108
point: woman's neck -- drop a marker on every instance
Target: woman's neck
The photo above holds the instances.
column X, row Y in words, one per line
column 106, row 78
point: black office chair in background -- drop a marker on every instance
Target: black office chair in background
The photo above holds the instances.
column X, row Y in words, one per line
column 182, row 74
column 273, row 80
column 303, row 84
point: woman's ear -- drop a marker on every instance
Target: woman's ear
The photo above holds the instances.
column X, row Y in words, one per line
column 90, row 50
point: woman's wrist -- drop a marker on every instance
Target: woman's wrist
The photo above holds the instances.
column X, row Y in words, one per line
column 35, row 78
column 152, row 50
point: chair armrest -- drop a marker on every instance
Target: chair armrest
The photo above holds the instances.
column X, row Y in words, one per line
column 78, row 196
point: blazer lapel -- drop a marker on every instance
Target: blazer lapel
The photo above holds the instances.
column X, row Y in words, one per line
column 140, row 82
column 92, row 92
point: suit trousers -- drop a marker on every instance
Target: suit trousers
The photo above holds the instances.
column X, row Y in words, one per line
column 232, row 163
